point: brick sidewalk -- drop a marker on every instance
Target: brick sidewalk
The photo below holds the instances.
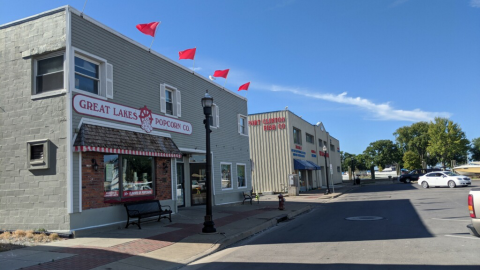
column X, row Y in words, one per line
column 88, row 257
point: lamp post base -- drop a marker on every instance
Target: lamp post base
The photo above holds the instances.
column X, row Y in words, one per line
column 208, row 225
column 327, row 192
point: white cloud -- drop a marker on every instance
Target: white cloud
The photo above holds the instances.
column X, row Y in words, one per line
column 475, row 3
column 196, row 69
column 380, row 111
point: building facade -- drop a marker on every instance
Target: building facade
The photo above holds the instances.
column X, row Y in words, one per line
column 91, row 119
column 282, row 143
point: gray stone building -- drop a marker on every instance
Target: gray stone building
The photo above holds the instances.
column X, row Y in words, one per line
column 283, row 143
column 91, row 119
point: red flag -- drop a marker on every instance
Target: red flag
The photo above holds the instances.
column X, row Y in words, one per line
column 221, row 73
column 187, row 54
column 244, row 86
column 148, row 28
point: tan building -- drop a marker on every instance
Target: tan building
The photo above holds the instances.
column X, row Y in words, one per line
column 282, row 143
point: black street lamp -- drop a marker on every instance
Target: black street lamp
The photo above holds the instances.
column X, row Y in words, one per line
column 326, row 170
column 208, row 225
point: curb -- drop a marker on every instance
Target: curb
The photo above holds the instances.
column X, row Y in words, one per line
column 228, row 241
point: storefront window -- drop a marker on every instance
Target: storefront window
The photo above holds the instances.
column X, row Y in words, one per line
column 241, row 175
column 226, row 175
column 111, row 184
column 137, row 175
column 136, row 178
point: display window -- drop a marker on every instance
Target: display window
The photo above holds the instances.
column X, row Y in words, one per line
column 128, row 176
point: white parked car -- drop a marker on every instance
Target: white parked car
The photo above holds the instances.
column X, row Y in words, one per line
column 443, row 179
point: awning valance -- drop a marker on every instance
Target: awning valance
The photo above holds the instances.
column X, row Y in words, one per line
column 300, row 164
column 117, row 141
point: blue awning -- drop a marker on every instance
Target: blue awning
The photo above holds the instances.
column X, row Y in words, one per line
column 300, row 164
column 314, row 165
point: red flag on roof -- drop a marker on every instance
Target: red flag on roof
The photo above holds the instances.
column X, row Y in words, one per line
column 187, row 54
column 148, row 28
column 244, row 86
column 221, row 73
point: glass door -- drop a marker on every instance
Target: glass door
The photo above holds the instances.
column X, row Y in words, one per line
column 180, row 185
column 198, row 180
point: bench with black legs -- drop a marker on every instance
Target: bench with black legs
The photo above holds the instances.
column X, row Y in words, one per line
column 248, row 196
column 146, row 209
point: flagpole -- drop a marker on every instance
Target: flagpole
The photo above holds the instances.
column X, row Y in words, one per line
column 154, row 34
column 152, row 41
column 81, row 14
column 225, row 82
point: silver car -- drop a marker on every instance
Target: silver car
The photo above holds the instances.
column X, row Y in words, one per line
column 443, row 179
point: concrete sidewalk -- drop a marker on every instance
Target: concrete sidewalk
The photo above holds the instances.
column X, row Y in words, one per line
column 165, row 245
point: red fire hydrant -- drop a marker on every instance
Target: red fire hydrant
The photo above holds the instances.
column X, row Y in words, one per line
column 281, row 202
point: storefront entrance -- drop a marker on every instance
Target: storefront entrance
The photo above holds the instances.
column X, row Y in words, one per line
column 198, row 180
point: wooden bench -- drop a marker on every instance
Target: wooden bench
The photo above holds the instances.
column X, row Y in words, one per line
column 145, row 209
column 248, row 196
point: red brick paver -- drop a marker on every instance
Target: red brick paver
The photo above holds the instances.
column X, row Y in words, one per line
column 88, row 257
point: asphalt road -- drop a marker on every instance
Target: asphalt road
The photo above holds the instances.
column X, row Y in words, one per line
column 419, row 229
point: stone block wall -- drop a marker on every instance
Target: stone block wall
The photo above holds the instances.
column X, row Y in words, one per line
column 31, row 199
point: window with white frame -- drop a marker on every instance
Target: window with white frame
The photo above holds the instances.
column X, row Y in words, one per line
column 49, row 73
column 214, row 117
column 226, row 170
column 241, row 176
column 87, row 75
column 170, row 100
column 242, row 124
column 92, row 74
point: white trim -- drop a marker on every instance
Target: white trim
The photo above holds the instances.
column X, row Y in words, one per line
column 236, row 170
column 68, row 100
column 231, row 175
column 48, row 94
column 213, row 175
column 102, row 72
column 245, row 123
column 190, row 150
column 80, row 208
column 85, row 93
column 95, row 122
column 175, row 96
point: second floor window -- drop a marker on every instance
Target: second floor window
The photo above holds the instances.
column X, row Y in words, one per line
column 169, row 101
column 297, row 136
column 49, row 74
column 86, row 75
column 309, row 138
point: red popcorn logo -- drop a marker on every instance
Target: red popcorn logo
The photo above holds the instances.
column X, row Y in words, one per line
column 146, row 119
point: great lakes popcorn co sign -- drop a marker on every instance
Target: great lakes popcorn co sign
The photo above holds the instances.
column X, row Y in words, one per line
column 143, row 117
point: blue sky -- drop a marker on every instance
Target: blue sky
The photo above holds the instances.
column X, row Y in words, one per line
column 363, row 68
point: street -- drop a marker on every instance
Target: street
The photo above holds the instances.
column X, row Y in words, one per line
column 410, row 228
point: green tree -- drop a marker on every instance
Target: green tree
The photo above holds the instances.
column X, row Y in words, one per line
column 475, row 149
column 346, row 160
column 411, row 160
column 447, row 140
column 361, row 162
column 413, row 138
column 382, row 153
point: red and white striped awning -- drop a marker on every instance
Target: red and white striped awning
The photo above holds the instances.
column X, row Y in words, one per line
column 122, row 151
column 92, row 138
